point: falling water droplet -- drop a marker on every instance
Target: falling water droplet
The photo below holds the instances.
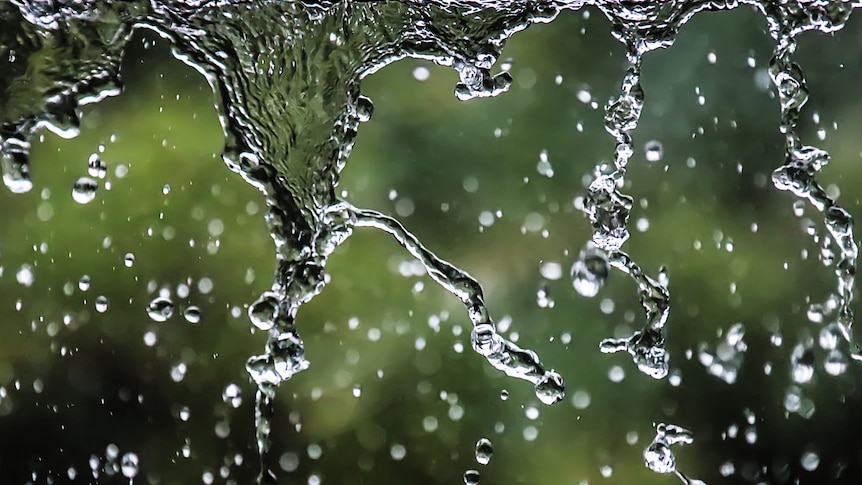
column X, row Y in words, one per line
column 659, row 458
column 84, row 190
column 471, row 477
column 590, row 271
column 654, row 151
column 96, row 167
column 129, row 465
column 192, row 314
column 101, row 304
column 484, row 450
column 232, row 395
column 160, row 309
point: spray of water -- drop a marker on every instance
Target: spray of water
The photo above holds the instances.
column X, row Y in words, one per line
column 287, row 76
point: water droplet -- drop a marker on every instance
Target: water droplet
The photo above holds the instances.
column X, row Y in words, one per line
column 659, row 458
column 84, row 190
column 654, row 151
column 84, row 283
column 129, row 465
column 590, row 271
column 810, row 460
column 471, row 477
column 192, row 314
column 484, row 450
column 232, row 395
column 160, row 309
column 96, row 167
column 129, row 260
column 101, row 304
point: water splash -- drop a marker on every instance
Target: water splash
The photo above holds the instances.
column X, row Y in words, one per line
column 287, row 81
column 798, row 173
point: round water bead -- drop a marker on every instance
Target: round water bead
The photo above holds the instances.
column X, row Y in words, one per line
column 84, row 190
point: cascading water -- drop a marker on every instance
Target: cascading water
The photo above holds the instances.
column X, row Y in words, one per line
column 286, row 77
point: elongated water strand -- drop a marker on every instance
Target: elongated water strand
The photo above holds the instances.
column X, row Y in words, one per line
column 500, row 353
column 608, row 210
column 798, row 174
column 646, row 346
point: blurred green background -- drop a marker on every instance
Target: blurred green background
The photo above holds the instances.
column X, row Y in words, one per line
column 394, row 394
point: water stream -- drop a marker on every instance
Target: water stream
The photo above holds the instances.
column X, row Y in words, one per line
column 287, row 83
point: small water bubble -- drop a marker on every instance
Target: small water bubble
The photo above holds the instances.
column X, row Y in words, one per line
column 654, row 151
column 192, row 314
column 160, row 309
column 129, row 260
column 484, row 450
column 84, row 190
column 84, row 283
